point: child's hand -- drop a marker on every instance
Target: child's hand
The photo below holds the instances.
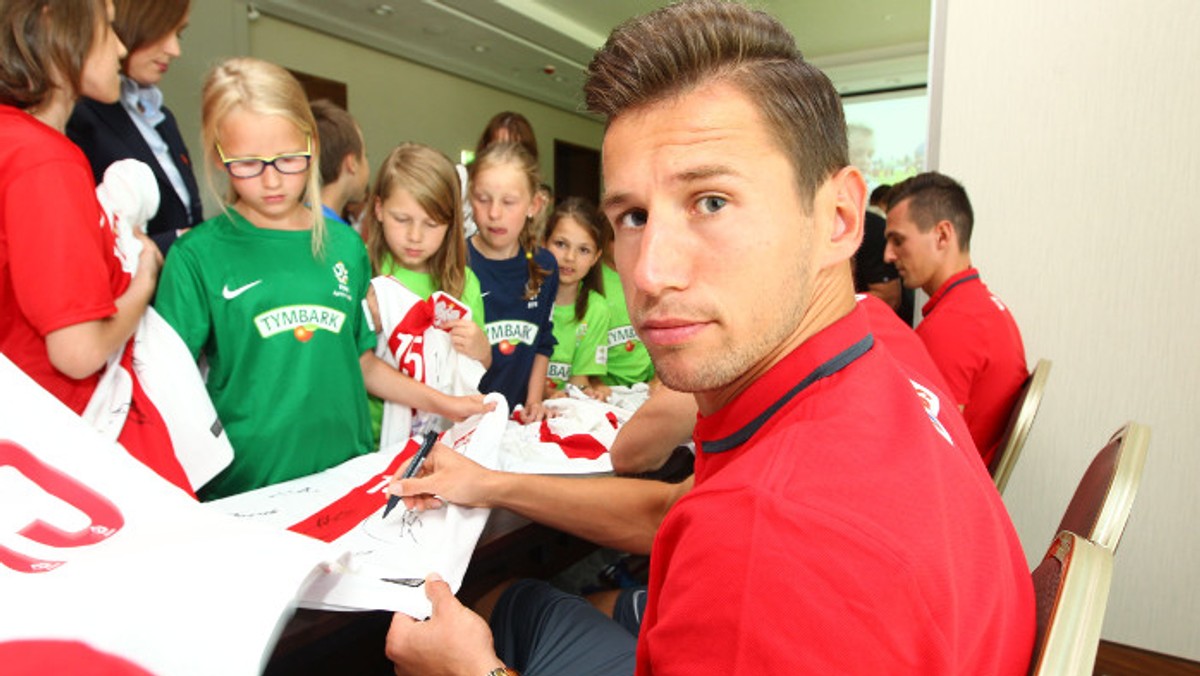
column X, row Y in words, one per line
column 459, row 409
column 535, row 412
column 470, row 340
column 150, row 259
column 598, row 391
column 552, row 391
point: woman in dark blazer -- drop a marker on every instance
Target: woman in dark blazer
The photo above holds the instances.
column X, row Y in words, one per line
column 138, row 126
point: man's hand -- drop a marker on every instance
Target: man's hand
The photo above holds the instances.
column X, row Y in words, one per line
column 452, row 642
column 446, row 475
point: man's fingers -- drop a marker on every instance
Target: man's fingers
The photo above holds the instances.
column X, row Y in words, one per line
column 437, row 591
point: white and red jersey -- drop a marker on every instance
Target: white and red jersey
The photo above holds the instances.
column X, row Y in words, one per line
column 412, row 341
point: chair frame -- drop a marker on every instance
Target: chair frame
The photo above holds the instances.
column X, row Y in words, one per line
column 1133, row 440
column 1020, row 422
column 1071, row 637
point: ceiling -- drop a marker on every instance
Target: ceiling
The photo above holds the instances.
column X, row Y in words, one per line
column 539, row 49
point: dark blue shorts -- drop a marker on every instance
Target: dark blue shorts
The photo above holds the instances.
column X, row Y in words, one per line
column 539, row 630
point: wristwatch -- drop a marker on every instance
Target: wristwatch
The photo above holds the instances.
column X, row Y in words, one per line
column 503, row 671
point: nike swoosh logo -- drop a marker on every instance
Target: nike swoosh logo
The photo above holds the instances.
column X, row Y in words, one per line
column 230, row 294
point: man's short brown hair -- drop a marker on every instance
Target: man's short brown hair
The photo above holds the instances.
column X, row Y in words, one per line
column 339, row 136
column 935, row 197
column 677, row 48
column 40, row 40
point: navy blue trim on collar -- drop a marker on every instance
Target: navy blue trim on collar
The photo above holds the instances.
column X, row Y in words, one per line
column 964, row 280
column 837, row 363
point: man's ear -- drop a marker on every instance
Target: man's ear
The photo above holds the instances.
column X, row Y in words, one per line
column 946, row 237
column 850, row 198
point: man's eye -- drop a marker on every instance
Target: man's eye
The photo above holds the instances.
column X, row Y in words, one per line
column 711, row 204
column 634, row 218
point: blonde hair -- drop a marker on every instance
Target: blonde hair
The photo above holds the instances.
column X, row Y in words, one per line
column 518, row 155
column 265, row 89
column 431, row 179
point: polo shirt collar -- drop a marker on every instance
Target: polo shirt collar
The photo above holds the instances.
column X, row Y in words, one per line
column 832, row 349
column 964, row 277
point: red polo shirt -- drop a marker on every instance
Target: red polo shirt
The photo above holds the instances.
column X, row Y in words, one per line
column 840, row 523
column 975, row 342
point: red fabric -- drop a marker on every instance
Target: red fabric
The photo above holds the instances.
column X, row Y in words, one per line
column 145, row 435
column 57, row 261
column 976, row 344
column 340, row 516
column 901, row 341
column 59, row 267
column 35, row 658
column 573, row 445
column 846, row 536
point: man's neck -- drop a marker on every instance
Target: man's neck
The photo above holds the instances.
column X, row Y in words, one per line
column 953, row 266
column 832, row 299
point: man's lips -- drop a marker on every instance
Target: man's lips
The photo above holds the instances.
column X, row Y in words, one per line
column 669, row 331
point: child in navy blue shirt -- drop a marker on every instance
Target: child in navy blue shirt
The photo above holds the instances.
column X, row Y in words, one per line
column 519, row 280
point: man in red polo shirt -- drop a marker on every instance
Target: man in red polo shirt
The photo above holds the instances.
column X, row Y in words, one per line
column 839, row 520
column 970, row 333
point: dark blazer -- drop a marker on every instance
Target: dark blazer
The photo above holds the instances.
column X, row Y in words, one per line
column 106, row 134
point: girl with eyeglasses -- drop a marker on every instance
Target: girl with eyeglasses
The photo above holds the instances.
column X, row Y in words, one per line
column 269, row 296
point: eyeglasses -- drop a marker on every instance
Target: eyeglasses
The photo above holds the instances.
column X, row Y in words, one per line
column 249, row 167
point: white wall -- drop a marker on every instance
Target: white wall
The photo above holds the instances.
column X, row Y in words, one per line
column 393, row 99
column 1075, row 127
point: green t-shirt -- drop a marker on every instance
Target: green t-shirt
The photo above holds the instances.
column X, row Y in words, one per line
column 628, row 360
column 282, row 333
column 422, row 284
column 581, row 349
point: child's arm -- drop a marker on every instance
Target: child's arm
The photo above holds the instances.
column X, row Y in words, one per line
column 387, row 383
column 79, row 350
column 534, row 411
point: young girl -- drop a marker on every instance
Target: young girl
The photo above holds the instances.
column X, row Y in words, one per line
column 519, row 280
column 271, row 297
column 67, row 297
column 414, row 239
column 576, row 236
column 628, row 361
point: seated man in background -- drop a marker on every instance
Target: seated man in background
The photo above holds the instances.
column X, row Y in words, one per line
column 970, row 333
column 345, row 174
column 838, row 520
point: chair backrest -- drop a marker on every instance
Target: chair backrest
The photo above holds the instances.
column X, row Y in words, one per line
column 1100, row 507
column 1020, row 421
column 1071, row 590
